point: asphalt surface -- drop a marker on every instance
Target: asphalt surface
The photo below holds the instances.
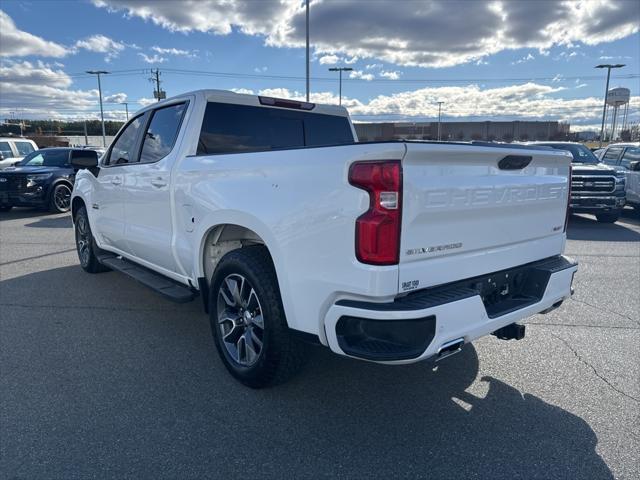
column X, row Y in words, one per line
column 101, row 378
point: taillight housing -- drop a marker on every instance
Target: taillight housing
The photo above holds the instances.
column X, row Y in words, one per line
column 378, row 229
column 566, row 217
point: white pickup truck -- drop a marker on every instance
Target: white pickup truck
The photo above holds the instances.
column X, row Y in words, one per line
column 291, row 231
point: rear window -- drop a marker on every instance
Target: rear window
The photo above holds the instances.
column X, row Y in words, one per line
column 46, row 158
column 580, row 153
column 229, row 128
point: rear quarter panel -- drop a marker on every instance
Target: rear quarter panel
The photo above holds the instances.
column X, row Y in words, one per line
column 300, row 203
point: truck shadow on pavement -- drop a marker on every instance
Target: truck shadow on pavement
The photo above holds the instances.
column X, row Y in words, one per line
column 587, row 228
column 100, row 375
column 58, row 221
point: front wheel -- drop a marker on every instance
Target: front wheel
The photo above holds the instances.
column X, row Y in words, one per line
column 611, row 217
column 248, row 321
column 85, row 244
column 60, row 198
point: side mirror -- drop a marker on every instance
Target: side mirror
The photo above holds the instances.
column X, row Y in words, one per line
column 634, row 166
column 84, row 159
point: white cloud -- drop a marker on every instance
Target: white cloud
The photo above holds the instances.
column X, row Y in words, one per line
column 101, row 44
column 530, row 100
column 581, row 85
column 437, row 33
column 360, row 74
column 146, row 101
column 152, row 59
column 116, row 98
column 395, row 75
column 174, row 51
column 329, row 59
column 33, row 73
column 524, row 59
column 42, row 90
column 373, row 66
column 18, row 43
column 246, row 91
column 260, row 69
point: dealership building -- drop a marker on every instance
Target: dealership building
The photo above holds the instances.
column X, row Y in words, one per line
column 503, row 131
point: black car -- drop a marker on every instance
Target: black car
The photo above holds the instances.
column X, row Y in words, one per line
column 595, row 188
column 43, row 178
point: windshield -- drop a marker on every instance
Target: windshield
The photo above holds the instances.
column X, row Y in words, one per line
column 46, row 158
column 580, row 153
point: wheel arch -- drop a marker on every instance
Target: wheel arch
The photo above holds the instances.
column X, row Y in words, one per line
column 222, row 238
column 76, row 204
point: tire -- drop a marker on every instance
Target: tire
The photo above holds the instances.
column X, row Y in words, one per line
column 248, row 321
column 608, row 217
column 5, row 208
column 60, row 201
column 85, row 244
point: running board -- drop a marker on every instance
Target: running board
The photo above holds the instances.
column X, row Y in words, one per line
column 166, row 287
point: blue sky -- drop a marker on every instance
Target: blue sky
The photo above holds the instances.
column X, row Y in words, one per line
column 484, row 60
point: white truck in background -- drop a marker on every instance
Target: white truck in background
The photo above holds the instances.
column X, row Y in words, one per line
column 291, row 231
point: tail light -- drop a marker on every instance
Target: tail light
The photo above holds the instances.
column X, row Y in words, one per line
column 378, row 229
column 566, row 217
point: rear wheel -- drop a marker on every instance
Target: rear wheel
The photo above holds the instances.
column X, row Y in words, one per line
column 248, row 321
column 60, row 201
column 85, row 244
column 611, row 217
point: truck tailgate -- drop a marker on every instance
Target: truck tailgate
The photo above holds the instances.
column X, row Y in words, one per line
column 463, row 215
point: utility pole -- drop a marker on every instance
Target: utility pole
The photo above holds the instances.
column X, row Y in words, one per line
column 606, row 94
column 157, row 93
column 307, row 22
column 98, row 73
column 126, row 108
column 86, row 137
column 340, row 69
column 439, row 117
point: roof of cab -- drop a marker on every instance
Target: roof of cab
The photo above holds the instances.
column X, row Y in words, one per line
column 227, row 96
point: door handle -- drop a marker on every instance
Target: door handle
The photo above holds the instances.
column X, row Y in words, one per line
column 159, row 182
column 116, row 181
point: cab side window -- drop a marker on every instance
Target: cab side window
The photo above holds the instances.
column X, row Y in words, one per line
column 631, row 154
column 162, row 132
column 124, row 148
column 611, row 155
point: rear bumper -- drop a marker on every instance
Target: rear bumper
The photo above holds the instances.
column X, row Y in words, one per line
column 415, row 327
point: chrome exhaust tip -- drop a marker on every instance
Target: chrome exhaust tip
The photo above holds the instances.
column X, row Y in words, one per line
column 450, row 348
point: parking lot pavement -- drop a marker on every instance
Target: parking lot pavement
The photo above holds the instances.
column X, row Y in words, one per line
column 102, row 378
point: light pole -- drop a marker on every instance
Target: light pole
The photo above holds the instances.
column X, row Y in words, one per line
column 307, row 24
column 439, row 117
column 98, row 73
column 340, row 69
column 606, row 94
column 126, row 108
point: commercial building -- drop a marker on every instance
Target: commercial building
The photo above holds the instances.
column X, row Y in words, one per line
column 502, row 131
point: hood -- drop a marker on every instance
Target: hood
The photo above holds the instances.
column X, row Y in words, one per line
column 29, row 170
column 593, row 169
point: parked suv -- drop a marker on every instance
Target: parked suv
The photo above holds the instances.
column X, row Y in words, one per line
column 625, row 158
column 44, row 178
column 13, row 149
column 596, row 188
